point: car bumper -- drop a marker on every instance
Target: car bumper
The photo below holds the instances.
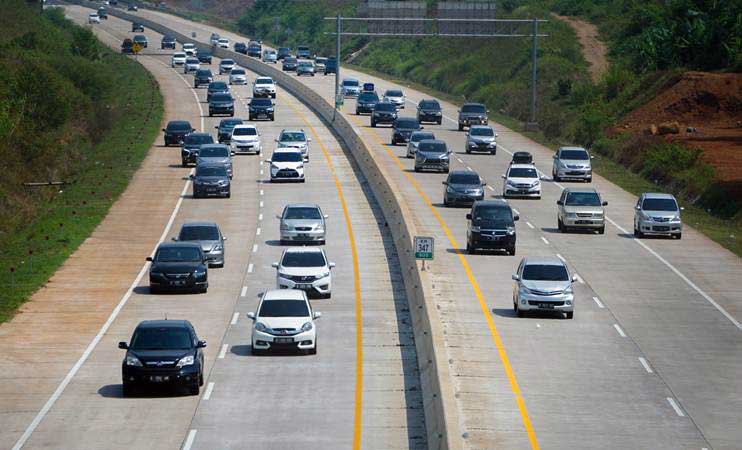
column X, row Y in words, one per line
column 584, row 222
column 491, row 241
column 532, row 302
column 252, row 147
column 522, row 192
column 302, row 236
column 215, row 191
column 660, row 228
column 574, row 174
column 463, row 199
column 482, row 147
column 364, row 109
column 287, row 175
column 189, row 284
column 302, row 341
column 221, row 110
column 323, row 286
column 169, row 377
column 441, row 166
column 472, row 121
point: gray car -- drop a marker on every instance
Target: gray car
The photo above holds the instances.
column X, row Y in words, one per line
column 472, row 114
column 211, row 180
column 432, row 154
column 304, row 223
column 481, row 138
column 216, row 154
column 208, row 236
column 415, row 139
column 221, row 104
column 305, row 68
column 572, row 163
column 463, row 187
column 192, row 145
column 657, row 214
column 581, row 208
column 543, row 284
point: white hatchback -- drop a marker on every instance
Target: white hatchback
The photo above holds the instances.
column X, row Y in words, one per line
column 287, row 164
column 237, row 76
column 223, row 43
column 305, row 268
column 191, row 65
column 190, row 49
column 246, row 139
column 178, row 59
column 521, row 180
column 93, row 18
column 284, row 321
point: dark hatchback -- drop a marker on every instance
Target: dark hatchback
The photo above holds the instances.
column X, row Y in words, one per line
column 136, row 26
column 240, row 47
column 463, row 187
column 283, row 52
column 216, row 87
column 472, row 114
column 141, row 40
column 225, row 127
column 331, row 66
column 127, row 47
column 168, row 42
column 261, row 108
column 290, row 64
column 211, row 179
column 163, row 354
column 203, row 76
column 178, row 266
column 429, row 111
column 522, row 158
column 176, row 131
column 191, row 145
column 204, row 56
column 383, row 113
column 403, row 128
column 221, row 104
column 491, row 226
column 366, row 102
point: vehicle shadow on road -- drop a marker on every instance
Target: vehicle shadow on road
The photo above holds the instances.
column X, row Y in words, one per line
column 504, row 312
column 117, row 391
column 273, row 243
column 551, row 230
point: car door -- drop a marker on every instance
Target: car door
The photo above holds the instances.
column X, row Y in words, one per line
column 560, row 207
column 638, row 211
column 516, row 284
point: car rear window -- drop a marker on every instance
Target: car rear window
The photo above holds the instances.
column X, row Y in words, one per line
column 302, row 212
column 579, row 155
column 582, row 199
column 166, row 338
column 199, row 233
column 482, row 132
column 659, row 204
column 545, row 272
column 284, row 308
column 303, row 259
column 214, row 152
column 178, row 254
column 519, row 172
column 473, row 109
column 464, row 178
column 211, row 171
column 385, row 107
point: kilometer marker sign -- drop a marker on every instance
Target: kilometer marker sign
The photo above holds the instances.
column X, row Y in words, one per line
column 424, row 246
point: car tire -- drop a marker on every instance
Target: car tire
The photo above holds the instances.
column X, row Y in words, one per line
column 128, row 389
column 570, row 315
column 461, row 127
column 313, row 351
column 637, row 233
column 201, row 379
column 679, row 236
column 555, row 177
column 601, row 230
column 417, row 169
column 250, row 118
column 470, row 249
column 195, row 389
column 184, row 163
column 560, row 225
column 446, row 203
column 589, row 179
column 439, row 121
column 229, row 195
column 520, row 313
column 373, row 124
column 494, row 152
column 273, row 119
column 511, row 250
column 154, row 290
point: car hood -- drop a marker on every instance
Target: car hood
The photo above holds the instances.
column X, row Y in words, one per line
column 576, row 162
column 662, row 214
column 262, row 107
column 303, row 223
column 218, row 159
column 465, row 187
column 206, row 245
column 395, row 99
column 481, row 139
column 245, row 138
column 472, row 114
column 293, row 144
column 238, row 75
column 210, row 179
column 284, row 322
column 367, row 102
column 152, row 356
column 493, row 224
column 439, row 155
column 547, row 286
column 287, row 164
column 583, row 209
column 519, row 180
column 303, row 271
column 226, row 66
column 175, row 267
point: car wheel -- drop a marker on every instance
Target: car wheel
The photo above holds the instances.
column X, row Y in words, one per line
column 470, row 248
column 570, row 314
column 417, row 169
column 200, row 379
column 128, row 389
column 273, row 95
column 494, row 152
column 273, row 119
column 511, row 250
column 637, row 233
column 229, row 195
column 257, row 351
column 560, row 225
column 589, row 179
column 195, row 389
column 313, row 351
column 446, row 203
column 601, row 230
column 679, row 236
column 520, row 313
column 184, row 163
column 154, row 290
column 555, row 177
column 373, row 124
column 439, row 121
column 461, row 127
column 250, row 118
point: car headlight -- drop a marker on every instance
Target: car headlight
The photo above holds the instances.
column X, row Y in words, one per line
column 200, row 271
column 535, row 183
column 493, row 144
column 326, row 274
column 472, row 144
column 156, row 274
column 259, row 326
column 274, row 167
column 511, row 231
column 510, row 183
column 307, row 326
column 186, row 361
column 676, row 218
column 285, row 226
column 438, row 113
column 475, row 229
column 269, row 109
column 133, row 361
column 283, row 275
column 300, row 166
column 252, row 109
column 217, row 248
column 450, row 190
column 444, row 156
column 223, row 183
column 571, row 214
column 562, row 165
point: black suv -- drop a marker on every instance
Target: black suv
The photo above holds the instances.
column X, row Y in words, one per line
column 472, row 114
column 136, row 26
column 383, row 113
column 167, row 42
column 240, row 47
column 216, row 87
column 191, row 145
column 403, row 128
column 204, row 56
column 203, row 76
column 225, row 127
column 221, row 104
column 331, row 66
column 261, row 108
column 491, row 226
column 522, row 158
column 163, row 353
column 366, row 102
column 283, row 52
column 176, row 131
column 103, row 13
column 429, row 111
column 290, row 64
column 178, row 266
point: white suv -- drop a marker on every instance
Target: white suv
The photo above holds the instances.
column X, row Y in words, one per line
column 305, row 268
column 178, row 59
column 223, row 43
column 284, row 320
column 287, row 164
column 521, row 180
column 237, row 76
column 295, row 139
column 572, row 163
column 264, row 87
column 190, row 49
column 246, row 139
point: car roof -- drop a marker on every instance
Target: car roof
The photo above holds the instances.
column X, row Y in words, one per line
column 164, row 324
column 580, row 189
column 658, row 195
column 473, row 103
column 302, row 205
column 304, row 250
column 199, row 223
column 543, row 261
column 571, row 148
column 284, row 294
column 522, row 166
column 494, row 202
column 178, row 245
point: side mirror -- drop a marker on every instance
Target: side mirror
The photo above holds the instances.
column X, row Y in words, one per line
column 637, row 207
column 317, row 315
column 123, row 346
column 445, row 183
column 267, row 161
column 278, row 216
column 217, row 127
column 605, row 203
column 275, row 265
column 488, row 111
column 191, row 177
column 224, row 238
column 484, row 183
column 574, row 278
column 192, row 130
column 554, row 157
column 174, row 238
column 503, row 176
column 309, row 139
column 326, row 216
column 422, row 128
column 164, row 130
column 232, row 153
column 332, row 265
column 516, row 218
column 201, row 344
column 559, row 202
column 515, row 277
column 497, row 134
column 592, row 157
column 468, row 216
column 149, row 258
column 276, row 139
column 251, row 315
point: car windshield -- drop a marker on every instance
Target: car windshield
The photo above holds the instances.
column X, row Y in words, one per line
column 306, row 64
column 264, row 81
column 247, row 131
column 227, row 62
column 197, row 139
column 473, row 109
column 211, row 171
column 168, row 39
column 179, row 126
column 302, row 213
column 303, row 259
column 496, row 213
column 302, row 49
column 482, row 132
column 203, row 73
column 290, row 60
column 292, row 137
column 545, row 272
column 238, row 72
column 393, row 93
column 214, row 152
column 320, row 60
column 140, row 38
column 221, row 98
column 283, row 50
column 580, row 155
column 415, row 137
column 287, row 157
column 261, row 102
column 432, row 147
column 229, row 123
column 188, row 45
column 218, row 86
column 430, row 105
column 659, row 204
column 189, row 60
column 518, row 172
column 407, row 124
column 582, row 199
column 179, row 55
column 368, row 97
column 167, row 338
column 386, row 107
column 178, row 254
column 464, row 178
column 284, row 308
column 350, row 83
column 199, row 233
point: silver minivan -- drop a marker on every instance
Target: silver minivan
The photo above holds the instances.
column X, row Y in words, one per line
column 543, row 284
column 657, row 214
column 572, row 163
column 208, row 236
column 581, row 208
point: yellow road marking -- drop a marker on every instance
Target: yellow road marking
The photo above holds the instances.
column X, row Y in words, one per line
column 477, row 292
column 357, row 414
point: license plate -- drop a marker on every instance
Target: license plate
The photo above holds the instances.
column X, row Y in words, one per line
column 303, row 235
column 262, row 115
column 584, row 222
column 159, row 379
column 283, row 340
column 179, row 283
column 303, row 286
column 546, row 306
column 662, row 228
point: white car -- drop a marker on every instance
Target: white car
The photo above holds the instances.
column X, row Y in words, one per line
column 191, row 65
column 395, row 97
column 305, row 268
column 223, row 43
column 214, row 39
column 297, row 139
column 237, row 76
column 264, row 87
column 270, row 56
column 287, row 164
column 284, row 320
column 226, row 66
column 190, row 49
column 178, row 59
column 93, row 18
column 350, row 87
column 521, row 180
column 246, row 139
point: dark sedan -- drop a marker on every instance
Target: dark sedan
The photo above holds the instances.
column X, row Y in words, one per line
column 290, row 64
column 216, row 87
column 383, row 113
column 191, row 145
column 204, row 56
column 261, row 108
column 221, row 104
column 429, row 111
column 283, row 52
column 403, row 128
column 178, row 266
column 176, row 131
column 463, row 187
column 136, row 26
column 141, row 40
column 240, row 47
column 202, row 77
column 366, row 102
column 225, row 127
column 168, row 42
column 211, row 179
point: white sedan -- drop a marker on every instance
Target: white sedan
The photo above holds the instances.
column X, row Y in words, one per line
column 305, row 268
column 246, row 139
column 521, row 180
column 237, row 76
column 191, row 65
column 223, row 43
column 284, row 321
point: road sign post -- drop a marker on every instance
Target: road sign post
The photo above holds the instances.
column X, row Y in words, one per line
column 424, row 248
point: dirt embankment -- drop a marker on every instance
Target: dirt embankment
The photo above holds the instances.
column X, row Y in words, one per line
column 593, row 49
column 226, row 9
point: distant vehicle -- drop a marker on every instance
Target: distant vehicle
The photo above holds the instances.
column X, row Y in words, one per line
column 237, row 76
column 582, row 209
column 395, row 97
column 429, row 111
column 141, row 40
column 432, row 154
column 472, row 114
column 572, row 163
column 204, row 56
column 225, row 127
column 223, row 43
column 178, row 59
column 190, row 49
column 368, row 87
column 331, row 66
column 366, row 102
column 203, row 77
column 163, row 353
column 192, row 145
column 289, row 64
column 403, row 128
column 270, row 56
column 191, row 64
column 522, row 158
column 463, row 187
column 297, row 139
column 284, row 321
column 221, row 104
column 136, row 26
column 209, row 236
column 521, row 180
column 305, row 68
column 303, row 52
column 319, row 64
column 133, row 8
column 168, row 42
column 214, row 39
column 302, row 223
column 383, row 113
column 246, row 139
column 254, row 49
column 264, row 87
column 93, row 18
column 491, row 225
column 103, row 13
column 176, row 131
column 283, row 52
column 657, row 214
column 350, row 87
column 415, row 139
column 226, row 66
column 287, row 164
column 307, row 269
column 210, row 154
column 543, row 284
column 240, row 47
column 178, row 266
column 216, row 87
column 211, row 180
column 261, row 108
column 481, row 138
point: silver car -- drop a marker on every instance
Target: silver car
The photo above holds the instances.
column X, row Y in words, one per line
column 543, row 284
column 295, row 139
column 572, row 163
column 208, row 236
column 395, row 97
column 415, row 139
column 270, row 56
column 226, row 66
column 303, row 222
column 192, row 64
column 350, row 87
column 657, row 214
column 581, row 208
column 216, row 154
column 481, row 138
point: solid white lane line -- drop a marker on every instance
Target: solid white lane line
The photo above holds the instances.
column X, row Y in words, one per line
column 257, row 232
column 545, row 241
column 598, row 302
column 254, row 248
column 560, row 257
column 261, row 171
column 675, row 406
column 579, row 278
column 189, row 440
column 468, row 168
column 249, row 268
column 209, row 388
column 620, row 331
column 223, row 351
column 645, row 364
column 236, row 315
column 529, row 225
column 516, row 211
column 260, row 216
column 261, row 192
column 261, row 203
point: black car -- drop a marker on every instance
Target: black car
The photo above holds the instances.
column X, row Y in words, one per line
column 136, row 26
column 191, row 145
column 163, row 353
column 472, row 114
column 176, row 131
column 522, row 158
column 331, row 66
column 463, row 187
column 261, row 108
column 141, row 40
column 225, row 127
column 103, row 13
column 127, row 46
column 366, row 102
column 429, row 111
column 216, row 87
column 383, row 113
column 221, row 104
column 290, row 64
column 254, row 49
column 240, row 47
column 168, row 42
column 211, row 179
column 203, row 76
column 491, row 226
column 403, row 128
column 132, row 8
column 283, row 52
column 204, row 56
column 178, row 266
